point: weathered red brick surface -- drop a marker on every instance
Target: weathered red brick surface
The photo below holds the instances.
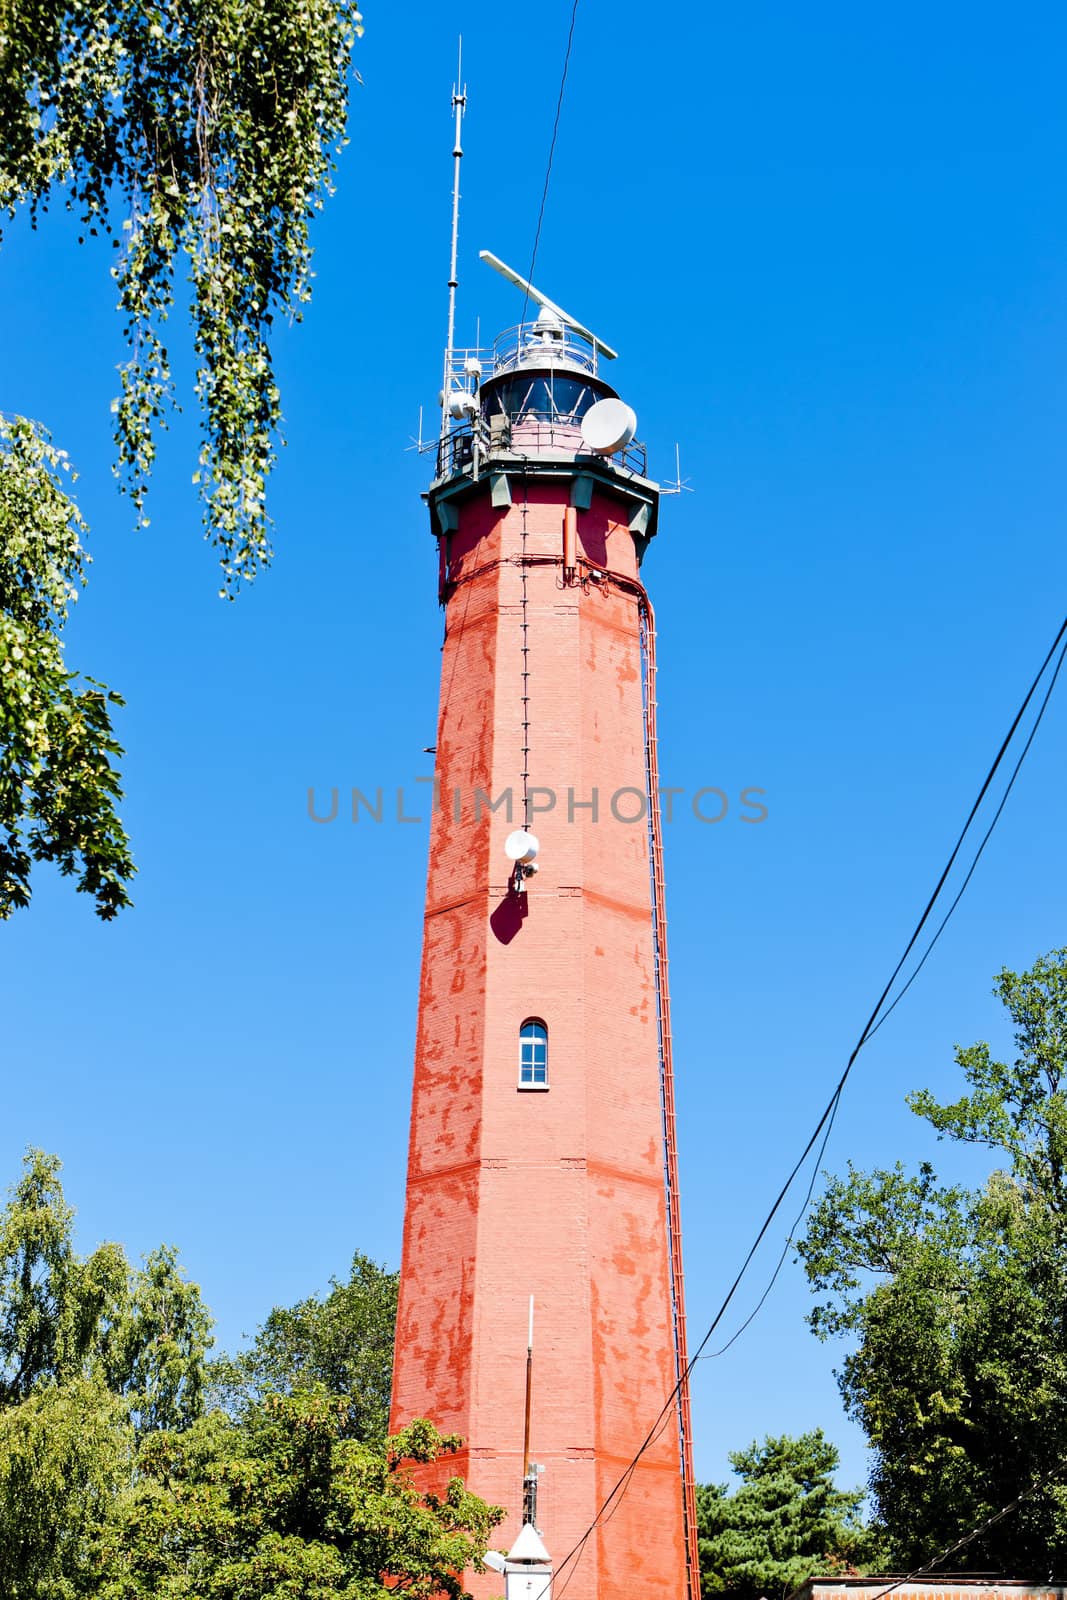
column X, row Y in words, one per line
column 558, row 1194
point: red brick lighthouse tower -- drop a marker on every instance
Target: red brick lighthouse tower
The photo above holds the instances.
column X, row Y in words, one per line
column 542, row 1157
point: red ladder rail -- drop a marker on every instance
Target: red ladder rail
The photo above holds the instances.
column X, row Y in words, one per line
column 670, row 1132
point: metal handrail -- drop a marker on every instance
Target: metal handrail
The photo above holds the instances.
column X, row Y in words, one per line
column 526, row 341
column 455, row 452
column 530, row 341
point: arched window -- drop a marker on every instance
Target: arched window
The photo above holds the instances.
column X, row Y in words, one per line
column 533, row 1055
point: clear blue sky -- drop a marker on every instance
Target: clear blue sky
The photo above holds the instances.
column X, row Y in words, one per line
column 831, row 245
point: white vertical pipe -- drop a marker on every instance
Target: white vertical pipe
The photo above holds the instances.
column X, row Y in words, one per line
column 459, row 101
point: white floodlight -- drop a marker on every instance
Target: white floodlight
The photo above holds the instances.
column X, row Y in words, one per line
column 462, row 403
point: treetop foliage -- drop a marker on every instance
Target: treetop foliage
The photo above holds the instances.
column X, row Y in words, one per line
column 1018, row 1110
column 786, row 1522
column 143, row 1333
column 344, row 1342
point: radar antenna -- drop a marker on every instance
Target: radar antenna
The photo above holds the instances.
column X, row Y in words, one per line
column 542, row 300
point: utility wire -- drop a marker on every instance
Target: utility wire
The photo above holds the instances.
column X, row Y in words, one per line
column 957, row 1545
column 551, row 156
column 713, row 1354
column 978, row 854
column 828, row 1116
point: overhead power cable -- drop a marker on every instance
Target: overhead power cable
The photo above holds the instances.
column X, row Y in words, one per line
column 823, row 1127
column 968, row 1538
column 551, row 157
column 986, row 838
column 780, row 1263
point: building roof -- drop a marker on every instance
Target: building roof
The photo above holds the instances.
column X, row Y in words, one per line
column 945, row 1586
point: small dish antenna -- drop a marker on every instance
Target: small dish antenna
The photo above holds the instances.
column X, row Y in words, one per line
column 521, row 846
column 607, row 426
column 540, row 299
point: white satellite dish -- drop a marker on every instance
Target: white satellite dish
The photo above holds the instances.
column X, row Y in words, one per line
column 607, row 426
column 521, row 846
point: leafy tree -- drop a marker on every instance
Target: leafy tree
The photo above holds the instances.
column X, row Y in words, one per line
column 58, row 787
column 283, row 1503
column 957, row 1302
column 197, row 129
column 55, row 1309
column 65, row 1453
column 115, row 1484
column 159, row 1346
column 785, row 1523
column 344, row 1342
column 88, row 1347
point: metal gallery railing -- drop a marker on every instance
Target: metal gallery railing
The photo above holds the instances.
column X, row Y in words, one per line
column 468, row 444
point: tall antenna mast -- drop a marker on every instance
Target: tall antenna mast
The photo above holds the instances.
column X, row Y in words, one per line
column 529, row 1390
column 459, row 104
column 530, row 1468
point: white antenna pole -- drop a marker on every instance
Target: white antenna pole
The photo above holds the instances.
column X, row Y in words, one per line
column 459, row 102
column 529, row 1339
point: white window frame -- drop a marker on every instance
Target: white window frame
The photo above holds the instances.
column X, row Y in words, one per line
column 535, row 1047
